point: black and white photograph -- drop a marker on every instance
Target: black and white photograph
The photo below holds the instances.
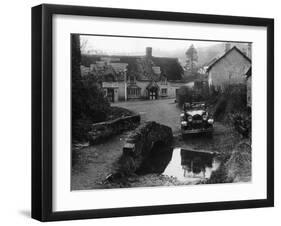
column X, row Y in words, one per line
column 149, row 111
column 142, row 112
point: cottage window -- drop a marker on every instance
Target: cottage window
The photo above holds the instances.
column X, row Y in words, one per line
column 164, row 91
column 134, row 92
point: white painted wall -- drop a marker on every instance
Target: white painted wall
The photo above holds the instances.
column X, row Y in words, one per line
column 15, row 89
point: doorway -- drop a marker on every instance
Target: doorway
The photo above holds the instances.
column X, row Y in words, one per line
column 153, row 93
column 110, row 94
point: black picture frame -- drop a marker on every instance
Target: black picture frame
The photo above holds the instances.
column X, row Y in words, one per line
column 42, row 107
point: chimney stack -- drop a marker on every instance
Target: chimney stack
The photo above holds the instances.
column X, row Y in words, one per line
column 227, row 47
column 148, row 52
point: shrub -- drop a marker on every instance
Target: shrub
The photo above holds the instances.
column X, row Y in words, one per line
column 232, row 99
column 187, row 94
column 184, row 95
column 88, row 102
column 242, row 123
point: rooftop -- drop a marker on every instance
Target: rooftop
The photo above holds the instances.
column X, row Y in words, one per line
column 234, row 48
column 141, row 66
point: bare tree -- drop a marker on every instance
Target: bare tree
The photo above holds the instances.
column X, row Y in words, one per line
column 83, row 45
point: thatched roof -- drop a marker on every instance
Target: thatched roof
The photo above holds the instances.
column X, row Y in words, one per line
column 141, row 67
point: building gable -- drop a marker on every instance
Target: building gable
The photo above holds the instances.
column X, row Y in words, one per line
column 229, row 69
column 226, row 55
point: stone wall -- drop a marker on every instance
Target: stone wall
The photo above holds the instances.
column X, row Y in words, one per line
column 104, row 130
column 140, row 143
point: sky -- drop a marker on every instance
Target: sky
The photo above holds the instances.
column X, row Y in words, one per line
column 136, row 46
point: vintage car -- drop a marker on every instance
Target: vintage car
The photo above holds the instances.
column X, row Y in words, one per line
column 196, row 119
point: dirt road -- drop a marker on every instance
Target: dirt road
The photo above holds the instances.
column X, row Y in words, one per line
column 167, row 112
column 162, row 111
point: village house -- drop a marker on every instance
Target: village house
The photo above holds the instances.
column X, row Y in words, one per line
column 136, row 77
column 230, row 68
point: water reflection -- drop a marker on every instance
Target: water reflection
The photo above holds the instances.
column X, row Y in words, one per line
column 185, row 165
column 189, row 165
column 157, row 161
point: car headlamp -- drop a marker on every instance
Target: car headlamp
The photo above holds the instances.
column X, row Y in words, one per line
column 211, row 121
column 182, row 116
column 184, row 123
column 189, row 118
column 205, row 117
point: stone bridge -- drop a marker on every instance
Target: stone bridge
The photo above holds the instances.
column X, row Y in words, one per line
column 104, row 130
column 140, row 143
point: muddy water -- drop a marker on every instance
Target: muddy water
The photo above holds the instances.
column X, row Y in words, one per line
column 186, row 165
column 191, row 166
